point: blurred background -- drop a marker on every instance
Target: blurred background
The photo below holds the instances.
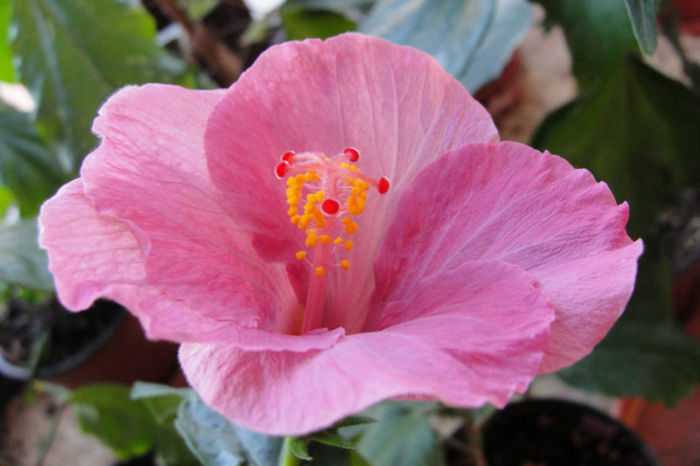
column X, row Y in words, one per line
column 611, row 85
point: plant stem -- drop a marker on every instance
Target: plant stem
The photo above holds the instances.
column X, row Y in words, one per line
column 287, row 458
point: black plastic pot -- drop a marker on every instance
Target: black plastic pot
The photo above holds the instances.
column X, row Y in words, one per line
column 559, row 432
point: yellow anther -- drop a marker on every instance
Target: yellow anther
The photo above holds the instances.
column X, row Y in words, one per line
column 354, row 168
column 311, row 238
column 338, row 240
column 293, row 210
column 348, row 244
column 345, row 264
column 325, row 239
column 350, row 226
column 319, row 271
column 345, row 165
column 301, row 255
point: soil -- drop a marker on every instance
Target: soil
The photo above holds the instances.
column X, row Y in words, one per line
column 23, row 326
column 550, row 432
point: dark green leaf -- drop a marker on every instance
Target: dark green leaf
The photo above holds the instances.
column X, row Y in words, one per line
column 354, row 421
column 7, row 72
column 324, row 455
column 642, row 13
column 21, row 260
column 639, row 132
column 27, row 167
column 402, row 435
column 75, row 53
column 598, row 33
column 299, row 447
column 329, row 438
column 301, row 23
column 658, row 362
column 107, row 412
column 645, row 354
column 132, row 427
column 216, row 441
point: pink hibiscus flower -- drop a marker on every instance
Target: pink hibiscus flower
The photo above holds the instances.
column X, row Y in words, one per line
column 304, row 286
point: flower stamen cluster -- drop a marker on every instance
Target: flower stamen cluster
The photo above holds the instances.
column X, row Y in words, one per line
column 334, row 193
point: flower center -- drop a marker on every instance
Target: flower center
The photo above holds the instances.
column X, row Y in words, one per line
column 325, row 196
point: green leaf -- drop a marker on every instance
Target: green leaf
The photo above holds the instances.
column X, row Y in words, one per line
column 198, row 9
column 75, row 53
column 107, row 412
column 216, row 441
column 27, row 167
column 6, row 200
column 512, row 19
column 449, row 30
column 302, row 23
column 21, row 260
column 354, row 421
column 7, row 72
column 473, row 40
column 645, row 354
column 598, row 33
column 658, row 362
column 642, row 13
column 331, row 439
column 402, row 435
column 150, row 390
column 299, row 448
column 132, row 427
column 639, row 132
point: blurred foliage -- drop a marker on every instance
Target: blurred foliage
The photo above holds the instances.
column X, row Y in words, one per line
column 131, row 427
column 473, row 40
column 643, row 17
column 637, row 130
column 598, row 33
column 74, row 53
column 7, row 72
column 300, row 23
column 645, row 354
column 21, row 260
column 27, row 167
column 631, row 126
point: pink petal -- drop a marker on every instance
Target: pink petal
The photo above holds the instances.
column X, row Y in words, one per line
column 196, row 263
column 152, row 175
column 395, row 104
column 512, row 203
column 93, row 256
column 480, row 343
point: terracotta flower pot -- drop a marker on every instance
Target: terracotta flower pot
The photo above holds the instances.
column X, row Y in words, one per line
column 115, row 351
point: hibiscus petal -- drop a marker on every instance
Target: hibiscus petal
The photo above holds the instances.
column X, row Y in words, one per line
column 93, row 256
column 151, row 174
column 480, row 344
column 512, row 203
column 391, row 103
column 395, row 104
column 194, row 258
